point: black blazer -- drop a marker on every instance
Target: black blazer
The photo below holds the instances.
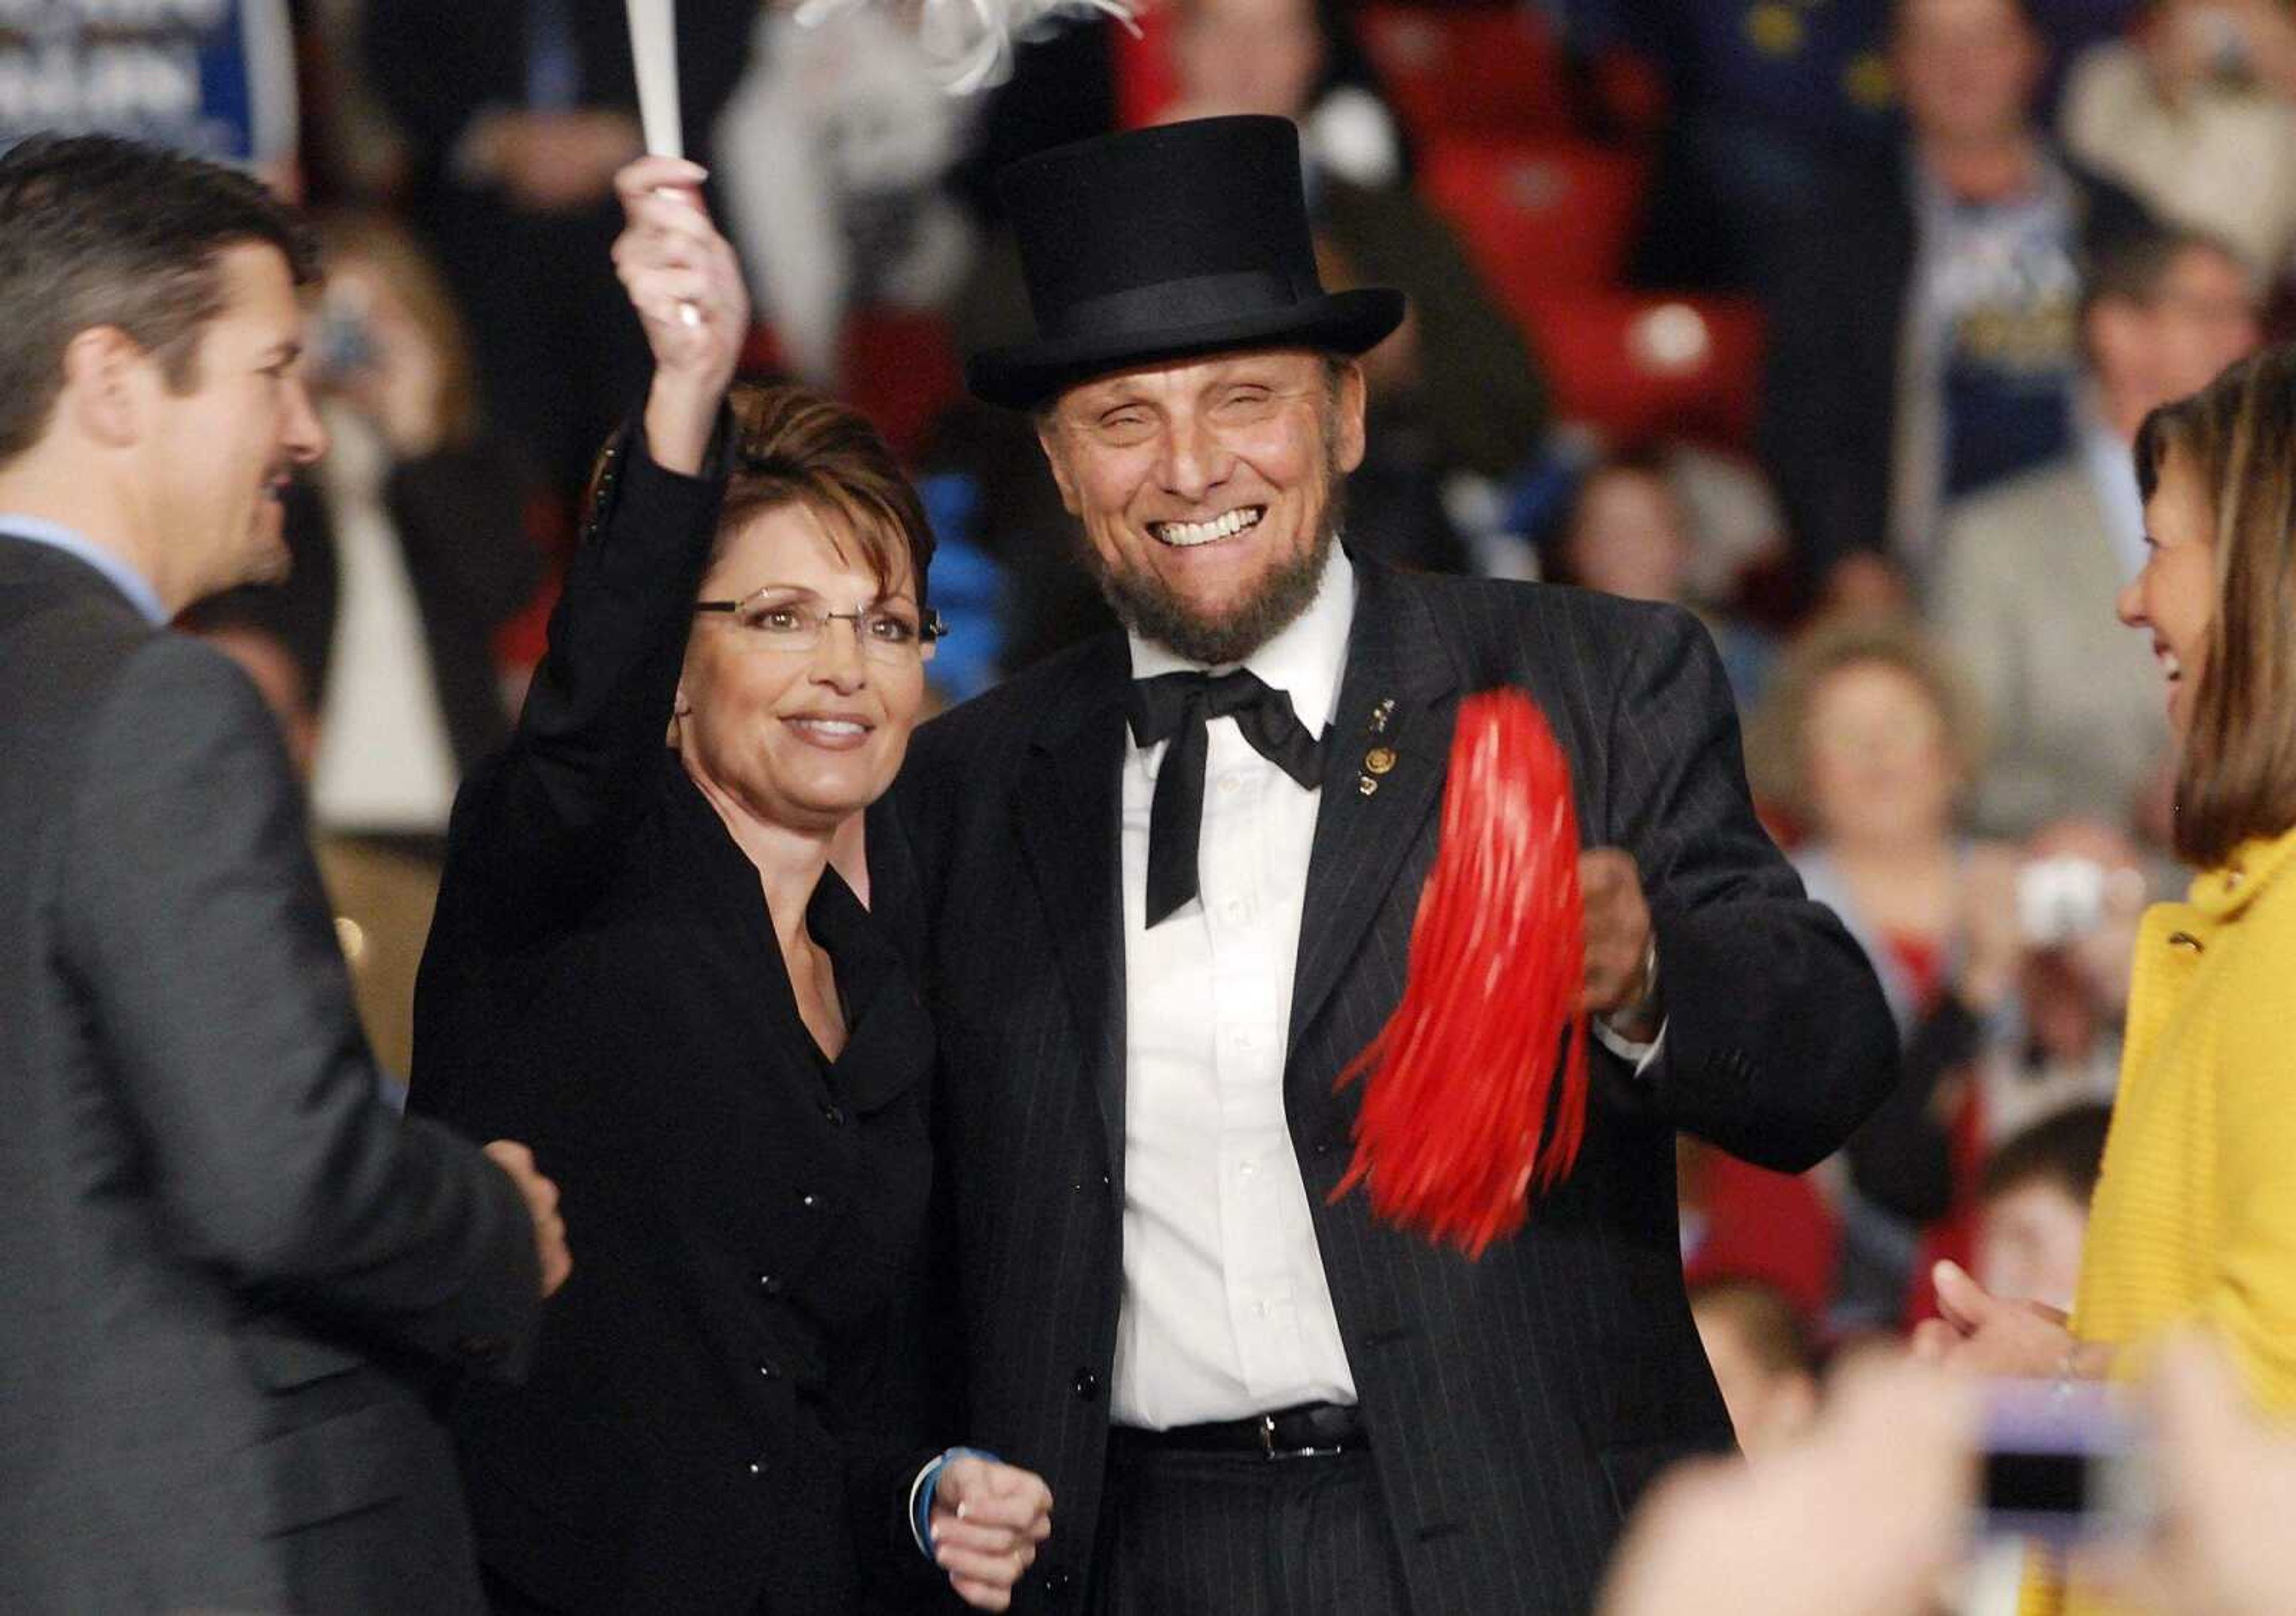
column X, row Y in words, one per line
column 1516, row 1405
column 722, row 1414
column 232, row 1276
column 1830, row 384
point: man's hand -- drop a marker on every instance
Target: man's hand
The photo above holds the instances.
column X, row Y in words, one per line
column 542, row 1205
column 987, row 1520
column 683, row 282
column 1618, row 944
column 1978, row 1333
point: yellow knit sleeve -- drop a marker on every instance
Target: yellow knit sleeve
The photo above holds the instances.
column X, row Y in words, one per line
column 2252, row 1295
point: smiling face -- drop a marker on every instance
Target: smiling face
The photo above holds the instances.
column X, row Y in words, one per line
column 1879, row 764
column 218, row 455
column 2174, row 599
column 797, row 739
column 1967, row 68
column 1208, row 490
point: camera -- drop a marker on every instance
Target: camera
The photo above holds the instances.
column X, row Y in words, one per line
column 2064, row 1461
column 2059, row 899
column 342, row 342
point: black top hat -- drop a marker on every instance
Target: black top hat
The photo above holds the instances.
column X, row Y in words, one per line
column 1163, row 243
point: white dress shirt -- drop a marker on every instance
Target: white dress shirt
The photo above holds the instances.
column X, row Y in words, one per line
column 385, row 763
column 1226, row 1312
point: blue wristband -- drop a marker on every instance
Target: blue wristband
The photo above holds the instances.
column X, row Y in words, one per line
column 921, row 1493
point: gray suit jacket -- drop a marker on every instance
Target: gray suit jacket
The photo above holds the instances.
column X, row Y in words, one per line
column 2075, row 711
column 227, row 1274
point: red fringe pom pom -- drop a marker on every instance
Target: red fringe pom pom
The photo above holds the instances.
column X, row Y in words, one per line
column 1473, row 1094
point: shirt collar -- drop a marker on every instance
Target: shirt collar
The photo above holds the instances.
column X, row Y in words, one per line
column 73, row 543
column 1305, row 660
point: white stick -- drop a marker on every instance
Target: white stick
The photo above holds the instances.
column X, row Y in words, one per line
column 654, row 52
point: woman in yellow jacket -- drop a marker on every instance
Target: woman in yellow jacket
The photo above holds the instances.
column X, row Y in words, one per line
column 2195, row 1216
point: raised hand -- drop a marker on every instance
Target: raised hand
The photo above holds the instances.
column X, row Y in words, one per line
column 987, row 1520
column 684, row 283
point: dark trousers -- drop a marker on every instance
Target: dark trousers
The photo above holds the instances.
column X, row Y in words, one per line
column 1199, row 1534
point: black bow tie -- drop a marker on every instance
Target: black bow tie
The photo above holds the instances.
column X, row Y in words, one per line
column 1176, row 707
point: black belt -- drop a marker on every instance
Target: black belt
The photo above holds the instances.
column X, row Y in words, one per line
column 1288, row 1433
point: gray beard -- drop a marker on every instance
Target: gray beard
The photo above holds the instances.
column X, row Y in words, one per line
column 1143, row 603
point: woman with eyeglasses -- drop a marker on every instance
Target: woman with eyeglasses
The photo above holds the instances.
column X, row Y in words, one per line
column 646, row 955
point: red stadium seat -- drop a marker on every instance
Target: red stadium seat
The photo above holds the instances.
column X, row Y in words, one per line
column 1773, row 1227
column 901, row 370
column 1498, row 70
column 1641, row 365
column 1537, row 216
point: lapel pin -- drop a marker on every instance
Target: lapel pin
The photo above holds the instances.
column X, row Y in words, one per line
column 1381, row 714
column 1365, row 785
column 1379, row 759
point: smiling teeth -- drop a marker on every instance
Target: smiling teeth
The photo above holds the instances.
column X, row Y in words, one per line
column 1182, row 535
column 834, row 727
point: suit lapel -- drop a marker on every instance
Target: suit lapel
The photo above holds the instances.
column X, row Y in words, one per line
column 1071, row 828
column 1382, row 773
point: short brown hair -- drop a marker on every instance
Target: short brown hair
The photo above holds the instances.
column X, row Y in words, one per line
column 2064, row 1150
column 97, row 231
column 2237, row 777
column 792, row 446
column 1773, row 734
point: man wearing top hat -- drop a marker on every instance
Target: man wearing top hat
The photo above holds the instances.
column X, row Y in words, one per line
column 1164, row 885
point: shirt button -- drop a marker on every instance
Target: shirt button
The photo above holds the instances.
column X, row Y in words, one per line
column 1230, row 784
column 1233, row 912
column 831, row 1115
column 768, row 1369
column 756, row 1469
column 1087, row 1384
column 809, row 1201
column 1246, row 1167
column 770, row 1284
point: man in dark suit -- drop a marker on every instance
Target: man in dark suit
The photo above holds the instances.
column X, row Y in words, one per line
column 228, row 1275
column 1159, row 918
column 1926, row 339
column 518, row 113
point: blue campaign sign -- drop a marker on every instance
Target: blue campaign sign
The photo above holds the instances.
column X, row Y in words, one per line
column 212, row 76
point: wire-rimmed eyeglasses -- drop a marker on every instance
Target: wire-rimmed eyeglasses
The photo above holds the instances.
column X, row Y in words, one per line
column 771, row 620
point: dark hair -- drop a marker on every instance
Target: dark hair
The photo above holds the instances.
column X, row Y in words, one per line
column 98, row 231
column 2134, row 269
column 1556, row 536
column 1774, row 1331
column 2065, row 1148
column 792, row 446
column 2237, row 776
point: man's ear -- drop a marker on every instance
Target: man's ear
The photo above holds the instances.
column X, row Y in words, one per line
column 105, row 378
column 1055, row 448
column 1347, row 405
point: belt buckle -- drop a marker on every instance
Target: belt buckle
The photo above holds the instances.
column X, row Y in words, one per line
column 1269, row 1450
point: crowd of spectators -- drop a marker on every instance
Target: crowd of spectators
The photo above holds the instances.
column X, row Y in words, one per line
column 1833, row 323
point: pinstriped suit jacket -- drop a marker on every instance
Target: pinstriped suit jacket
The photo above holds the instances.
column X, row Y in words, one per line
column 1517, row 1406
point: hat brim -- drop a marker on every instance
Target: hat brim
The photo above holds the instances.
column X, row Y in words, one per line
column 1022, row 375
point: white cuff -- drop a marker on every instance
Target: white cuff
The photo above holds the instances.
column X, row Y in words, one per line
column 1637, row 1055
